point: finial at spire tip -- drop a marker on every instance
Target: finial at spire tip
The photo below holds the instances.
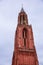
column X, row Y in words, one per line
column 22, row 10
column 22, row 5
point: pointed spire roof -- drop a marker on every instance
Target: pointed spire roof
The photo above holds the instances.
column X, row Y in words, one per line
column 22, row 10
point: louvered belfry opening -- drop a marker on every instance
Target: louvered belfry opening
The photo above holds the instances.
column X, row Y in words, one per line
column 22, row 19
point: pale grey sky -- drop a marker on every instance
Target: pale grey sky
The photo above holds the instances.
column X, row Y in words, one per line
column 9, row 10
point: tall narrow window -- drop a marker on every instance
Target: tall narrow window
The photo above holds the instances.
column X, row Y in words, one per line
column 24, row 36
column 24, row 33
column 21, row 19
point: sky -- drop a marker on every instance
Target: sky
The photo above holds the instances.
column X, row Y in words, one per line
column 9, row 10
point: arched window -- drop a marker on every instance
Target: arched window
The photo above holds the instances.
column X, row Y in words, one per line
column 24, row 36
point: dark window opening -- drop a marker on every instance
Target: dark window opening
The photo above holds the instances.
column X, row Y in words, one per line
column 24, row 36
column 24, row 33
column 24, row 42
column 23, row 19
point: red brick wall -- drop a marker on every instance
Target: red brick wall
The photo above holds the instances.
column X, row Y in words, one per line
column 24, row 54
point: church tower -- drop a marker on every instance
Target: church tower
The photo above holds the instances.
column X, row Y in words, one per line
column 24, row 48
